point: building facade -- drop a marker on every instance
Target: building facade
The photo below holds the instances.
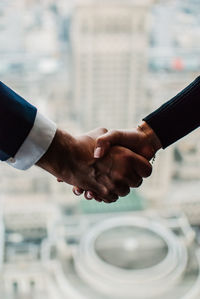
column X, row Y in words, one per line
column 110, row 42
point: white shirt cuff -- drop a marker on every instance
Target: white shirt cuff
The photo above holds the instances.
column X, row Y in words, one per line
column 36, row 144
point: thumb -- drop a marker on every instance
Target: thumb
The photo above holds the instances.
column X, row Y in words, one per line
column 104, row 143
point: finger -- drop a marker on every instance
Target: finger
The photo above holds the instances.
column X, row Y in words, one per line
column 121, row 189
column 77, row 191
column 112, row 197
column 97, row 198
column 95, row 188
column 130, row 179
column 144, row 168
column 104, row 142
column 135, row 182
column 109, row 201
column 102, row 190
column 112, row 191
column 59, row 180
column 89, row 195
column 141, row 166
column 140, row 183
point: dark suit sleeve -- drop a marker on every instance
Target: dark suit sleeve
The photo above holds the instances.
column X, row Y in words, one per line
column 17, row 117
column 177, row 117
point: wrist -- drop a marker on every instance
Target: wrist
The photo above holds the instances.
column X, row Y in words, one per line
column 150, row 139
column 57, row 159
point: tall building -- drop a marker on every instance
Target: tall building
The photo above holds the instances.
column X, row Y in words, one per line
column 110, row 42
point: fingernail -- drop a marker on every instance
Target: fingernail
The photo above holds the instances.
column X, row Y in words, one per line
column 97, row 152
column 89, row 195
column 77, row 192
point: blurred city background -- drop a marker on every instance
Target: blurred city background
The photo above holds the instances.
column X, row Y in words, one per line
column 86, row 64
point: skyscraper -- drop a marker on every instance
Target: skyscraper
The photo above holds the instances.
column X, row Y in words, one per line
column 110, row 42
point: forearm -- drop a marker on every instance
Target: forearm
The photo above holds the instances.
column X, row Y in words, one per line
column 178, row 117
column 58, row 154
column 151, row 142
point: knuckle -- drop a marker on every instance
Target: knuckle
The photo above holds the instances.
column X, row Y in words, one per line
column 121, row 188
column 115, row 199
column 105, row 192
column 106, row 200
column 136, row 181
column 120, row 177
column 110, row 196
column 114, row 196
column 98, row 199
column 124, row 192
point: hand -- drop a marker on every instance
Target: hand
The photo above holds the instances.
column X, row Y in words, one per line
column 123, row 168
column 71, row 160
column 142, row 141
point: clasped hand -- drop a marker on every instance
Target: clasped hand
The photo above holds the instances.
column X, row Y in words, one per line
column 102, row 164
column 106, row 177
column 142, row 142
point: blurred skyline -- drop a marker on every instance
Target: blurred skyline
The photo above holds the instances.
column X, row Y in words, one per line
column 86, row 64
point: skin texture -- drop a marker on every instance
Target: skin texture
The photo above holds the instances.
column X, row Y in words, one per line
column 71, row 160
column 141, row 140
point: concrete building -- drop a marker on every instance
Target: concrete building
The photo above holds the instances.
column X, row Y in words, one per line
column 110, row 42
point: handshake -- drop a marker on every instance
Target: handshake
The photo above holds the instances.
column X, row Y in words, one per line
column 102, row 164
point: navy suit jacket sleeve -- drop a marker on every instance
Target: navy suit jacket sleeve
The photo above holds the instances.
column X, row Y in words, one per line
column 17, row 117
column 177, row 117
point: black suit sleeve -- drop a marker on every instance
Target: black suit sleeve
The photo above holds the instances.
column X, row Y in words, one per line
column 177, row 117
column 17, row 118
